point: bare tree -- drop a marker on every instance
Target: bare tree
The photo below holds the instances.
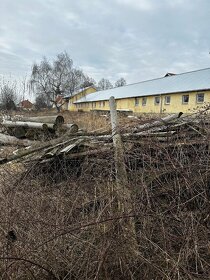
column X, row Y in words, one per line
column 120, row 83
column 56, row 78
column 23, row 88
column 41, row 102
column 104, row 84
column 88, row 82
column 8, row 97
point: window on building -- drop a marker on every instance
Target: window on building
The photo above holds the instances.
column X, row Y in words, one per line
column 200, row 97
column 136, row 101
column 167, row 100
column 185, row 99
column 104, row 103
column 157, row 100
column 144, row 101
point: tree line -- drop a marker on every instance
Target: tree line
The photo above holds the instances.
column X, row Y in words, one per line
column 49, row 79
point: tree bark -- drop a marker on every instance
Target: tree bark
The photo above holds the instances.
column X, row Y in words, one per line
column 45, row 119
column 11, row 140
column 24, row 124
column 68, row 128
column 160, row 122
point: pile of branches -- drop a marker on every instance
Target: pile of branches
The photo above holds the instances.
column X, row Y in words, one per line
column 171, row 131
column 62, row 217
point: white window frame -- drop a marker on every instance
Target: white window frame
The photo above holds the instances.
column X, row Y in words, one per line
column 167, row 102
column 197, row 97
column 183, row 96
column 155, row 100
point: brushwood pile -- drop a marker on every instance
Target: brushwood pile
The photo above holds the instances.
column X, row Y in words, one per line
column 65, row 216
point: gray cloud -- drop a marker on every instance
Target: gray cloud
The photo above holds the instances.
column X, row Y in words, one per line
column 113, row 38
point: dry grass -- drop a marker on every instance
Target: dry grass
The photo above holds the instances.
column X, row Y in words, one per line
column 61, row 221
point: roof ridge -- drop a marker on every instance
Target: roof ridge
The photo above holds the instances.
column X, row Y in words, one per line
column 158, row 78
column 179, row 74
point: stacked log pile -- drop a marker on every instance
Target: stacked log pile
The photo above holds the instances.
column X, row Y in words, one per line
column 172, row 130
column 34, row 128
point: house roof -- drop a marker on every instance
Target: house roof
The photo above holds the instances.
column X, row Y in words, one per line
column 184, row 82
column 26, row 104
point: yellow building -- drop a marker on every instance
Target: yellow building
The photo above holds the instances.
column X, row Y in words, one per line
column 75, row 96
column 170, row 94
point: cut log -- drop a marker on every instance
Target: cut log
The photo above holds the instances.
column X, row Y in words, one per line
column 157, row 123
column 47, row 126
column 45, row 119
column 69, row 128
column 18, row 132
column 11, row 140
column 23, row 124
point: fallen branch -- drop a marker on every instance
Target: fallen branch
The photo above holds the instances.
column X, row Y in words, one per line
column 11, row 140
column 157, row 123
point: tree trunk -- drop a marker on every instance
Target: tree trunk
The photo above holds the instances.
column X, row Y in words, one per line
column 25, row 124
column 11, row 140
column 69, row 128
column 45, row 119
column 160, row 122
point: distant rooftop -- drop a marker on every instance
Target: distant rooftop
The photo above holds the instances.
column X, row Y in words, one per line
column 169, row 74
column 184, row 82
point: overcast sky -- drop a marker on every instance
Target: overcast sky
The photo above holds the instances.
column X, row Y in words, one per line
column 136, row 39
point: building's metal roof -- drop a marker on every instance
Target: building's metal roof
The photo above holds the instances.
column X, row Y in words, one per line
column 189, row 81
column 77, row 92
